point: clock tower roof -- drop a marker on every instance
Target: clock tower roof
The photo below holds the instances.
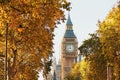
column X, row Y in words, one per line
column 69, row 31
column 69, row 34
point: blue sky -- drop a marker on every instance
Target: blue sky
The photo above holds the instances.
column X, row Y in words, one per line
column 84, row 15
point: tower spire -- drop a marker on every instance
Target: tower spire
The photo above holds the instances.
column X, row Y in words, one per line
column 69, row 22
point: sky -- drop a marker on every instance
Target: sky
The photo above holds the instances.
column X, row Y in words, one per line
column 84, row 16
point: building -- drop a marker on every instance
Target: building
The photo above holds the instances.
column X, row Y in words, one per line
column 58, row 71
column 54, row 76
column 80, row 57
column 69, row 49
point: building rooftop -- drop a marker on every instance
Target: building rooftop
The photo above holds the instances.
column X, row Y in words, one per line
column 69, row 34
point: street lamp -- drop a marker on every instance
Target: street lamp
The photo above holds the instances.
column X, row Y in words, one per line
column 20, row 28
column 5, row 64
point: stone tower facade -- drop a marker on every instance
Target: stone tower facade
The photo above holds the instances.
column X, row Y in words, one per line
column 69, row 49
column 58, row 71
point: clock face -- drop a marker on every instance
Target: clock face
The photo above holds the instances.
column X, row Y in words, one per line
column 70, row 47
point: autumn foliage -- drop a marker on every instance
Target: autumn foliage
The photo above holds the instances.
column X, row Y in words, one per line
column 30, row 33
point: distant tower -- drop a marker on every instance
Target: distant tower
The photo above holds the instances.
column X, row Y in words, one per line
column 54, row 76
column 58, row 70
column 69, row 49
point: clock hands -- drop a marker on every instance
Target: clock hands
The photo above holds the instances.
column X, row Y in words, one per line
column 70, row 48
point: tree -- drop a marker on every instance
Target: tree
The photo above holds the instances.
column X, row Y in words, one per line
column 92, row 49
column 31, row 24
column 109, row 31
column 47, row 68
column 1, row 60
column 79, row 71
column 91, row 45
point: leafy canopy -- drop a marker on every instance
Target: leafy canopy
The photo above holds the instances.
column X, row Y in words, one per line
column 30, row 33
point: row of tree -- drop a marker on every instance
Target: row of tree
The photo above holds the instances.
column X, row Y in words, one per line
column 30, row 33
column 101, row 50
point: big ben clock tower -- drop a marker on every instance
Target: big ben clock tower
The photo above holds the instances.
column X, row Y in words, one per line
column 69, row 49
